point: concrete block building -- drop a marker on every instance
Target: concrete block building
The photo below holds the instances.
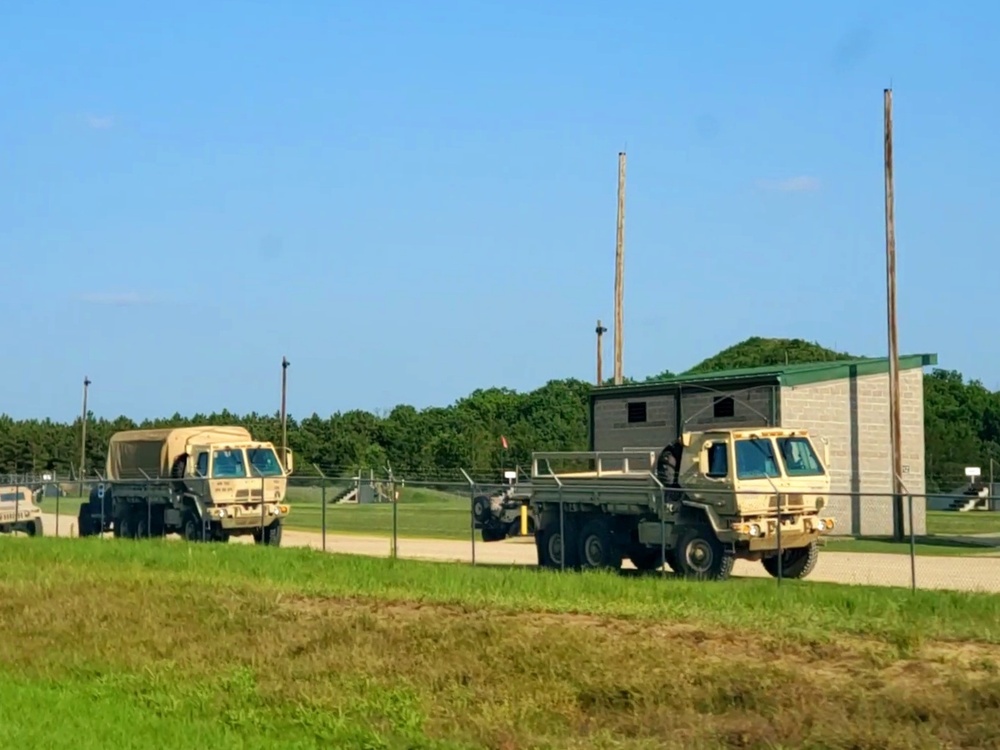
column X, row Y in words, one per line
column 846, row 402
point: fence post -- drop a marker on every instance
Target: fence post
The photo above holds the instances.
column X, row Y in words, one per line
column 395, row 518
column 263, row 518
column 101, row 492
column 913, row 545
column 562, row 533
column 781, row 571
column 472, row 512
column 322, row 523
column 58, row 494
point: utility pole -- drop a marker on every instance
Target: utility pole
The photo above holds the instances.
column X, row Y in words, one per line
column 620, row 269
column 601, row 330
column 83, row 434
column 284, row 414
column 895, row 423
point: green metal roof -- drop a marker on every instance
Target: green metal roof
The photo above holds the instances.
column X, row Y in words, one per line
column 799, row 374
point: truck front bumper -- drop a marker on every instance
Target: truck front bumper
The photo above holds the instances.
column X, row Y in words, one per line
column 238, row 517
column 761, row 534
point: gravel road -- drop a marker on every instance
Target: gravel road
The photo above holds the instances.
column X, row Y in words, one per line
column 876, row 569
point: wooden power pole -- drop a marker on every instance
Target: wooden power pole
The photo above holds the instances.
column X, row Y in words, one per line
column 601, row 330
column 895, row 423
column 620, row 269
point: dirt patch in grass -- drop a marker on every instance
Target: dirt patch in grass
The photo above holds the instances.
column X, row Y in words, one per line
column 354, row 671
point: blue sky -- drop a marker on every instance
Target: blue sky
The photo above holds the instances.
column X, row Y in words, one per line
column 413, row 200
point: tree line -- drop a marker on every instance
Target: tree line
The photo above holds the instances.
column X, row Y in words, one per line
column 962, row 427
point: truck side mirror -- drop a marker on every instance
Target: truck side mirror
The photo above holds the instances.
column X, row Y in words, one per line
column 826, row 453
column 289, row 461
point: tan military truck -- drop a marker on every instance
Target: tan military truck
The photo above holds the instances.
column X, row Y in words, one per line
column 18, row 511
column 707, row 499
column 204, row 483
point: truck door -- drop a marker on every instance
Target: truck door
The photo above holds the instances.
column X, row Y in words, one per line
column 200, row 470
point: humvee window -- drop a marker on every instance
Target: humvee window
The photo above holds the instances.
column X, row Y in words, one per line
column 755, row 459
column 718, row 461
column 799, row 457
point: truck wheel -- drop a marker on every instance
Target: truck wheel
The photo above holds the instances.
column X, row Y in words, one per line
column 271, row 535
column 83, row 522
column 549, row 544
column 123, row 525
column 795, row 563
column 650, row 558
column 493, row 534
column 597, row 548
column 190, row 528
column 140, row 526
column 701, row 555
column 33, row 527
column 481, row 509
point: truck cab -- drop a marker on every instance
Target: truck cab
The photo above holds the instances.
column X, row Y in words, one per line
column 697, row 505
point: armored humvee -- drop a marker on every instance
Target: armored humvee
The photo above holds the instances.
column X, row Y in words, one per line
column 204, row 483
column 705, row 500
column 18, row 511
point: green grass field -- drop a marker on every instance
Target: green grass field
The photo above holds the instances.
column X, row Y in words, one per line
column 163, row 645
column 446, row 515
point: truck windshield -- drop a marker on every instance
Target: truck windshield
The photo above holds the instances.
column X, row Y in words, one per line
column 264, row 462
column 799, row 457
column 755, row 459
column 228, row 463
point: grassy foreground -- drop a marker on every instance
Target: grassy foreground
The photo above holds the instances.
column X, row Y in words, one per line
column 168, row 645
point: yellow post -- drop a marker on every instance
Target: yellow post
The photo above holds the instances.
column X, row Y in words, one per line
column 524, row 520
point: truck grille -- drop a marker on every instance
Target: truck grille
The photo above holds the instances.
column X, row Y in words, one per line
column 792, row 501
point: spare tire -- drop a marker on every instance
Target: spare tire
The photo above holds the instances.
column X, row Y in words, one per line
column 481, row 509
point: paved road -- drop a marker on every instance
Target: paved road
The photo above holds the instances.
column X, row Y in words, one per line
column 877, row 569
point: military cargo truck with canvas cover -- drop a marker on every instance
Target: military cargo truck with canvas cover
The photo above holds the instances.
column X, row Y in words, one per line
column 706, row 499
column 204, row 483
column 18, row 511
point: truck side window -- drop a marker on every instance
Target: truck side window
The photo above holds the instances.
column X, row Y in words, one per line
column 202, row 464
column 718, row 461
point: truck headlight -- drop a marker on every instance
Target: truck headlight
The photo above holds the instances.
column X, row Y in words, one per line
column 755, row 529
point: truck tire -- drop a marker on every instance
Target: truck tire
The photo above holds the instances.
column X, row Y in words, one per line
column 271, row 535
column 85, row 525
column 549, row 543
column 795, row 563
column 140, row 525
column 123, row 524
column 34, row 527
column 481, row 509
column 191, row 530
column 493, row 534
column 650, row 558
column 701, row 555
column 596, row 546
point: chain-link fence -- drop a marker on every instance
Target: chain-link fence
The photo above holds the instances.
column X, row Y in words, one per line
column 916, row 541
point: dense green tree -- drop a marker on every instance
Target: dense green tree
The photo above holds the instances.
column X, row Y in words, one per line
column 962, row 427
